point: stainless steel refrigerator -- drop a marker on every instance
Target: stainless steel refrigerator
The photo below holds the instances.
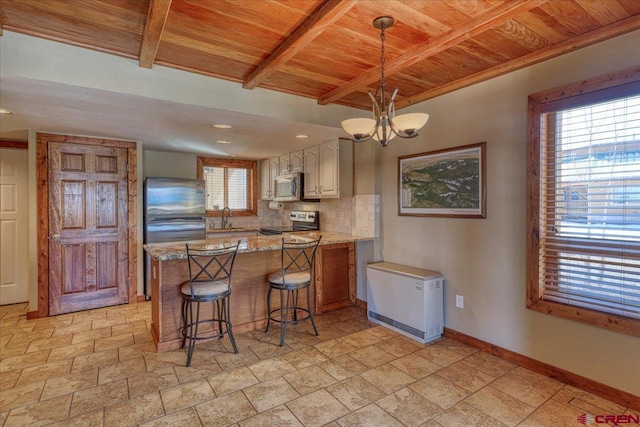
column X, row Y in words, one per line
column 173, row 212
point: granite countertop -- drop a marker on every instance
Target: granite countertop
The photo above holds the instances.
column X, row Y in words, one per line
column 176, row 250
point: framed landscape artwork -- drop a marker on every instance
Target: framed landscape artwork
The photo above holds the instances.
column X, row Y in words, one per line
column 444, row 183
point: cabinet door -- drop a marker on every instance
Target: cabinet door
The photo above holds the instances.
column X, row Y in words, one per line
column 335, row 277
column 274, row 172
column 265, row 180
column 311, row 172
column 285, row 164
column 329, row 169
column 296, row 161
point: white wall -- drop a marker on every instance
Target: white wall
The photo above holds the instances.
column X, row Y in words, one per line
column 170, row 165
column 484, row 259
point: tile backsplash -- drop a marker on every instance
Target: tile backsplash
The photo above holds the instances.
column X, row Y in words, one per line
column 358, row 215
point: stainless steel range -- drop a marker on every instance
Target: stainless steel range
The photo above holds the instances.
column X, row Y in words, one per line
column 300, row 221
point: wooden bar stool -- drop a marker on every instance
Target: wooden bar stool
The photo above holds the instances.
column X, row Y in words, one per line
column 209, row 281
column 295, row 274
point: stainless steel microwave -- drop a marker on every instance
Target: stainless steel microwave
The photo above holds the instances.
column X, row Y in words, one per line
column 288, row 188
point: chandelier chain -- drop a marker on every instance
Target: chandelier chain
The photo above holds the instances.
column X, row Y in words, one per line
column 384, row 124
column 383, row 79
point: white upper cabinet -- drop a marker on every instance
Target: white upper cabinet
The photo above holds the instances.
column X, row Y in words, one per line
column 329, row 170
column 296, row 159
column 274, row 171
column 269, row 169
column 265, row 187
column 311, row 184
column 292, row 162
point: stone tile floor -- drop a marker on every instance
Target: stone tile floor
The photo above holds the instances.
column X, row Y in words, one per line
column 99, row 368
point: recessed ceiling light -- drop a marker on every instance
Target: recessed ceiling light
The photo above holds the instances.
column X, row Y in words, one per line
column 222, row 126
column 302, row 136
column 223, row 141
column 3, row 111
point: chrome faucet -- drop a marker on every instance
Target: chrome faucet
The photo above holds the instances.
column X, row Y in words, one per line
column 224, row 220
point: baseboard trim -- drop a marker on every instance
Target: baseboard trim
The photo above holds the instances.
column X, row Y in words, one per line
column 607, row 392
column 32, row 315
column 140, row 298
column 360, row 303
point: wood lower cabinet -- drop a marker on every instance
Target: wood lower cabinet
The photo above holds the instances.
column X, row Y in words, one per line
column 335, row 277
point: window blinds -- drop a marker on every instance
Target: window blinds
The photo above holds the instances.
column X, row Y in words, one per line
column 226, row 187
column 237, row 188
column 590, row 206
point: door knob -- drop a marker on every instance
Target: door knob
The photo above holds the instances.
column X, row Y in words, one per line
column 55, row 237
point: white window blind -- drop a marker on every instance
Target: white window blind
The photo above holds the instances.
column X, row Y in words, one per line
column 214, row 181
column 226, row 187
column 237, row 186
column 590, row 205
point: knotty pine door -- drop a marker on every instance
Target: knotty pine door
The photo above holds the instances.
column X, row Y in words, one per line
column 88, row 231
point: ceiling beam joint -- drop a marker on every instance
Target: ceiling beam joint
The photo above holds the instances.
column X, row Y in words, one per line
column 156, row 18
column 305, row 33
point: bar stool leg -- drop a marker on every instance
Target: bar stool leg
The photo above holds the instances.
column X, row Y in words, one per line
column 193, row 330
column 188, row 322
column 225, row 308
column 283, row 320
column 295, row 306
column 313, row 323
column 268, row 309
column 217, row 314
column 183, row 330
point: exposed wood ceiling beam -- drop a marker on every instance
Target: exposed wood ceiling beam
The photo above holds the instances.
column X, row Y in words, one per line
column 601, row 34
column 9, row 143
column 475, row 26
column 156, row 18
column 312, row 27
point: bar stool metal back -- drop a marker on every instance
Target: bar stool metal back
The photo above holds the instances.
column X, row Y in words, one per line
column 295, row 274
column 209, row 281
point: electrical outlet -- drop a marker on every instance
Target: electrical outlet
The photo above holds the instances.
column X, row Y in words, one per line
column 459, row 301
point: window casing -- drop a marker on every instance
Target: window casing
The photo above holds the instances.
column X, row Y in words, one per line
column 229, row 183
column 583, row 202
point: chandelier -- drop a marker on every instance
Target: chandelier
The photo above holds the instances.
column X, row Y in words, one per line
column 385, row 125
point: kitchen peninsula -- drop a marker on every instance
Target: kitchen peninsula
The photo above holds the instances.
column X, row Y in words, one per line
column 258, row 256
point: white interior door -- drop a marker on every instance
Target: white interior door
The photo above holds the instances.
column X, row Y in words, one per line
column 14, row 229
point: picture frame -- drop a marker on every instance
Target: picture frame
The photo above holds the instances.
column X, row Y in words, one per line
column 444, row 183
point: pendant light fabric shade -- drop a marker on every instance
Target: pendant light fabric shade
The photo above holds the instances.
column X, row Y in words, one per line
column 385, row 125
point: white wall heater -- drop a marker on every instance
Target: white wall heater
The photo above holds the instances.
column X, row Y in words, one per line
column 408, row 300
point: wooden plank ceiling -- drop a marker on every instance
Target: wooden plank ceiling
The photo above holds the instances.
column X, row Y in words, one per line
column 328, row 49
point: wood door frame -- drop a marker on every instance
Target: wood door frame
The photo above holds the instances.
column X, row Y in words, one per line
column 42, row 181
